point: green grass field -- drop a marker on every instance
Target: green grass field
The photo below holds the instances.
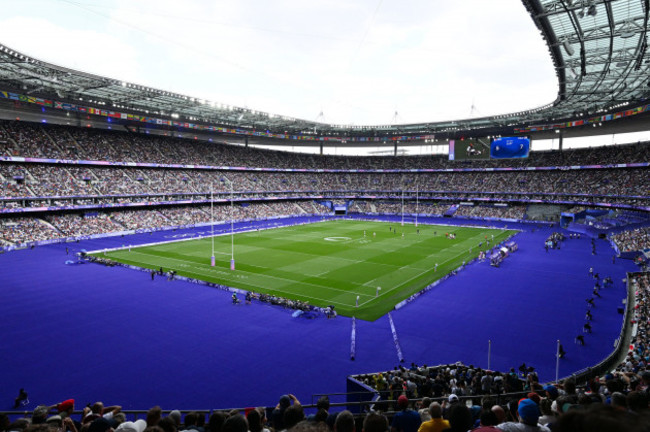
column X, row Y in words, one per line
column 325, row 263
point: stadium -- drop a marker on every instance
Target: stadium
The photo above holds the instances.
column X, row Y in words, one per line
column 161, row 249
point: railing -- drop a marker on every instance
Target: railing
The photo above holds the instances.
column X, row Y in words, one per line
column 357, row 407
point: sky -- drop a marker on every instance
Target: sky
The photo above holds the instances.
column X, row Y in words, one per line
column 343, row 62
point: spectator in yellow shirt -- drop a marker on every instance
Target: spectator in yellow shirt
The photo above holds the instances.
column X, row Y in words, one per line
column 437, row 423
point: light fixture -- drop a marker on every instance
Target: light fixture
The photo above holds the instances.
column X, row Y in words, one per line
column 592, row 10
column 627, row 30
column 568, row 48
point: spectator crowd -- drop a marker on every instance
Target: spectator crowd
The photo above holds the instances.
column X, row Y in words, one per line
column 632, row 240
column 616, row 401
column 26, row 230
column 451, row 398
column 64, row 142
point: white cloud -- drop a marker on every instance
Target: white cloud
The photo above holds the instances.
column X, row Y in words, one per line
column 86, row 50
column 359, row 63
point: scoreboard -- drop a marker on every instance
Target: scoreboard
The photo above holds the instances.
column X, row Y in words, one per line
column 510, row 148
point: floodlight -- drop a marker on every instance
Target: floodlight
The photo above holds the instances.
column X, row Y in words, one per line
column 592, row 10
column 568, row 48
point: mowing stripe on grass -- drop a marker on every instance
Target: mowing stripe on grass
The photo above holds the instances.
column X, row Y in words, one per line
column 252, row 273
column 299, row 263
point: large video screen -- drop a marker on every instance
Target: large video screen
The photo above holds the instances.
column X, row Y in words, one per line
column 469, row 149
column 510, row 148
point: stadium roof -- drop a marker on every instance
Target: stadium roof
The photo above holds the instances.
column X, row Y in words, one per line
column 598, row 48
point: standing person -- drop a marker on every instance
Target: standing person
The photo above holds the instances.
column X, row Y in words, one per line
column 528, row 413
column 375, row 422
column 153, row 416
column 406, row 420
column 460, row 418
column 322, row 407
column 153, row 274
column 437, row 423
column 488, row 422
column 66, row 408
column 98, row 410
column 22, row 397
column 344, row 422
column 192, row 421
column 277, row 417
column 256, row 421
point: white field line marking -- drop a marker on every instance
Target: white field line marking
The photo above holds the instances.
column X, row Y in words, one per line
column 320, row 286
column 428, row 257
column 410, row 279
column 258, row 275
column 258, row 286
